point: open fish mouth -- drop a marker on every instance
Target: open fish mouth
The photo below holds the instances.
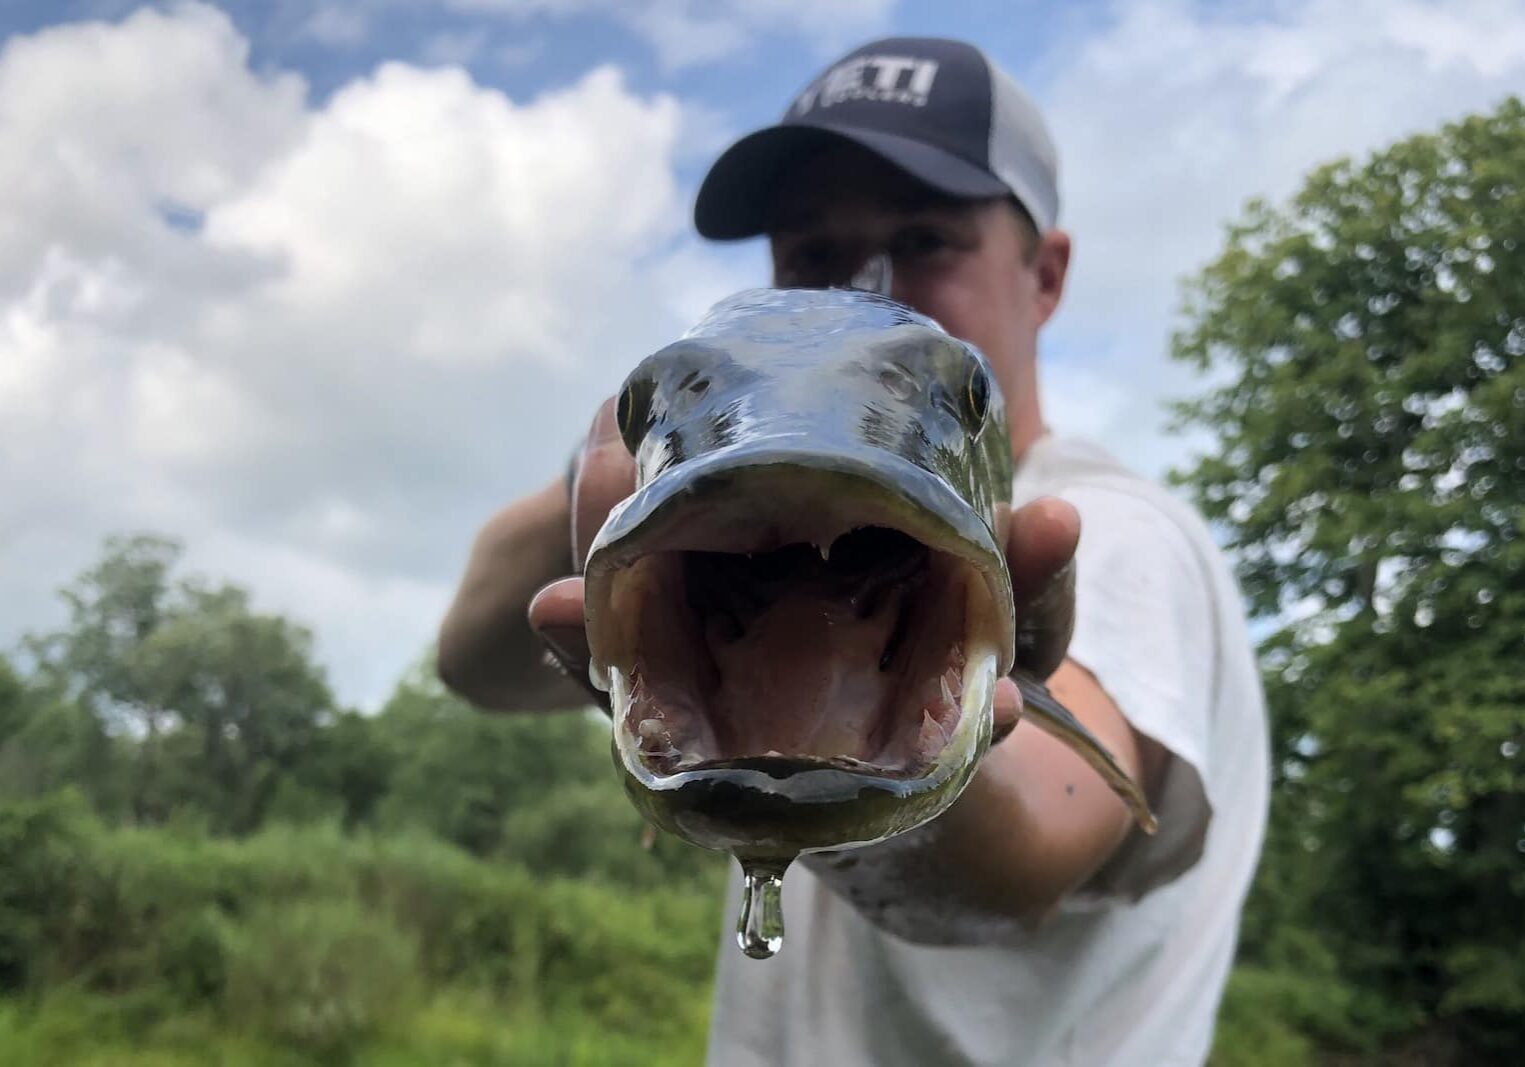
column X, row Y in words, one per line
column 852, row 653
column 772, row 614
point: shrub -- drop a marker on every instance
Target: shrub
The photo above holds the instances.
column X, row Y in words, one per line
column 320, row 975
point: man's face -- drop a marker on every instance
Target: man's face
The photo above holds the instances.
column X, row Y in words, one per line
column 974, row 266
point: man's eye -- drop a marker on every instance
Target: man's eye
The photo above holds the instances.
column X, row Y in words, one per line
column 917, row 241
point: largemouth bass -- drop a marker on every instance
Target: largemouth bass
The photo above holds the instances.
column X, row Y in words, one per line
column 801, row 613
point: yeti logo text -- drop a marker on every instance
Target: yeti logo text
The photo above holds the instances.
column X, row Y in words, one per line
column 888, row 79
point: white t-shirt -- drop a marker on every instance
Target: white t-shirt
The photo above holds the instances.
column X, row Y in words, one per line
column 1131, row 971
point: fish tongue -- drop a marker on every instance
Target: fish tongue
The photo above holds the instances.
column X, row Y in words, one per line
column 804, row 680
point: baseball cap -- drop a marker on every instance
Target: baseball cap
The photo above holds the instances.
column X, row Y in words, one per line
column 938, row 109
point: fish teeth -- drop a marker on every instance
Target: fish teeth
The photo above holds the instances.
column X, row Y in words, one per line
column 932, row 732
column 850, row 762
column 824, row 548
column 653, row 734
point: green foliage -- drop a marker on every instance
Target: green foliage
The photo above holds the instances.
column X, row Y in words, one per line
column 1370, row 480
column 460, row 1028
column 316, row 975
column 459, row 772
column 324, row 944
column 240, row 872
column 38, row 855
column 221, row 701
column 48, row 743
column 1374, row 327
column 539, row 790
column 1258, row 1021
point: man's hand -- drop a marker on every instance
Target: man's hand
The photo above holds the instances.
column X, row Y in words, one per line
column 605, row 475
column 1040, row 553
column 493, row 640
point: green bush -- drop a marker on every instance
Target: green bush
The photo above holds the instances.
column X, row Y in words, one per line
column 589, row 830
column 319, row 975
column 41, row 859
column 155, row 929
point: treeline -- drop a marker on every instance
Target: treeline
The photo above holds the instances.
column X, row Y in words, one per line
column 205, row 858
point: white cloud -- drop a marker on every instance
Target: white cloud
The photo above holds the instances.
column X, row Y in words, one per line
column 318, row 343
column 1174, row 115
column 687, row 33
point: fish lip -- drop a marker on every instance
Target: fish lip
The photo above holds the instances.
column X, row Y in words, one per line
column 780, row 767
column 799, row 779
column 936, row 514
column 757, row 809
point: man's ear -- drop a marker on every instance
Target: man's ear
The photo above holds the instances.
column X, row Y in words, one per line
column 1051, row 265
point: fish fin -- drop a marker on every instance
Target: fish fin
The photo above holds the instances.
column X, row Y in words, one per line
column 1040, row 708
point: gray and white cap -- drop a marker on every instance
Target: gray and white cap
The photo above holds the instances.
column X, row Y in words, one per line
column 938, row 109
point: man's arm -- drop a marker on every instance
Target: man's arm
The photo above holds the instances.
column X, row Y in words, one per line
column 1035, row 823
column 487, row 651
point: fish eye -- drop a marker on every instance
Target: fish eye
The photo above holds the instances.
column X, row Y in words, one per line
column 631, row 413
column 977, row 397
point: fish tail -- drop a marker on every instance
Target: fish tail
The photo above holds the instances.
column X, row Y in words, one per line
column 1045, row 712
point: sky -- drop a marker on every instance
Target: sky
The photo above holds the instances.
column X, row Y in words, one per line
column 314, row 286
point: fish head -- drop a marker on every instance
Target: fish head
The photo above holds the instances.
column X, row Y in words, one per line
column 801, row 612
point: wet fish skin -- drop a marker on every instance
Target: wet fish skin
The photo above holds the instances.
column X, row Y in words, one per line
column 881, row 411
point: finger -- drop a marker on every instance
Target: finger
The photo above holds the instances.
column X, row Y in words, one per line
column 1042, row 540
column 1040, row 551
column 558, row 606
column 1008, row 709
column 605, row 476
column 556, row 616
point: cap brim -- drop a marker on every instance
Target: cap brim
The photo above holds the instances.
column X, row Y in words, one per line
column 736, row 197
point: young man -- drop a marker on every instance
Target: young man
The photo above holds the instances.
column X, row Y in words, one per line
column 1031, row 923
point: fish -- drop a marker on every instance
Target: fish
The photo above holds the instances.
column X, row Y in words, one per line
column 801, row 612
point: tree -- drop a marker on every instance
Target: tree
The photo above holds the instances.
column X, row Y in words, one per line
column 219, row 700
column 1369, row 477
column 536, row 789
column 48, row 743
column 461, row 772
column 244, row 693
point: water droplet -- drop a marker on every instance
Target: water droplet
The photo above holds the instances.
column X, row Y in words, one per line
column 1509, row 750
column 760, row 926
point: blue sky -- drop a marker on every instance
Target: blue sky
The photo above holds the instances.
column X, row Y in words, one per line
column 522, row 47
column 316, row 285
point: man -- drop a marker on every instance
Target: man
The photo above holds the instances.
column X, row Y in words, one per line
column 1031, row 923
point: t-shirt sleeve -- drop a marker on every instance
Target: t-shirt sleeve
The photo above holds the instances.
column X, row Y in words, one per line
column 1145, row 630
